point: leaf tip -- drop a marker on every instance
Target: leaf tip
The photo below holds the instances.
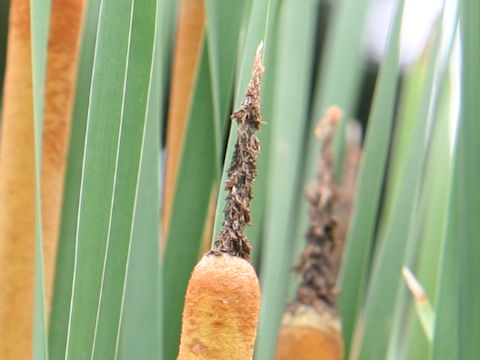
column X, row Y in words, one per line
column 414, row 286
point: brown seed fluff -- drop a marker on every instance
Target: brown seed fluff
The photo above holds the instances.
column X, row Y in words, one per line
column 319, row 263
column 219, row 317
column 243, row 168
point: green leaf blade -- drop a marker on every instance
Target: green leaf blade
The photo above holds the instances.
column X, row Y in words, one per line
column 66, row 245
column 223, row 27
column 141, row 326
column 360, row 236
column 396, row 240
column 114, row 136
column 286, row 124
column 40, row 20
column 129, row 154
column 457, row 308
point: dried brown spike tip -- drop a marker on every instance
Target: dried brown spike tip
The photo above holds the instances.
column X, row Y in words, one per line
column 326, row 127
column 319, row 263
column 311, row 327
column 243, row 168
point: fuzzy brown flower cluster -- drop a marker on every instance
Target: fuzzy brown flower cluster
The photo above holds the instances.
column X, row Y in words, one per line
column 319, row 261
column 243, row 169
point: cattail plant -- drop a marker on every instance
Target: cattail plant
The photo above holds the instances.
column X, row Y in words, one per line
column 223, row 295
column 311, row 326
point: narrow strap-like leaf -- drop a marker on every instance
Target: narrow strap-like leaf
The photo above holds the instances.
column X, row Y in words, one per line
column 39, row 25
column 115, row 133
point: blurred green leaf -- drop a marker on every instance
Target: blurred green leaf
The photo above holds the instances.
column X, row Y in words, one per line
column 445, row 336
column 287, row 128
column 458, row 294
column 354, row 272
column 396, row 243
column 39, row 25
column 223, row 27
column 466, row 184
column 403, row 130
column 433, row 202
column 425, row 211
column 445, row 344
column 340, row 74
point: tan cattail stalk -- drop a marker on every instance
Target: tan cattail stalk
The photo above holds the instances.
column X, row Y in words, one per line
column 311, row 327
column 223, row 296
column 17, row 193
column 191, row 24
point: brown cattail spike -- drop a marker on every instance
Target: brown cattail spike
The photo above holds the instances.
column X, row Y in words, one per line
column 243, row 169
column 317, row 264
column 311, row 327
